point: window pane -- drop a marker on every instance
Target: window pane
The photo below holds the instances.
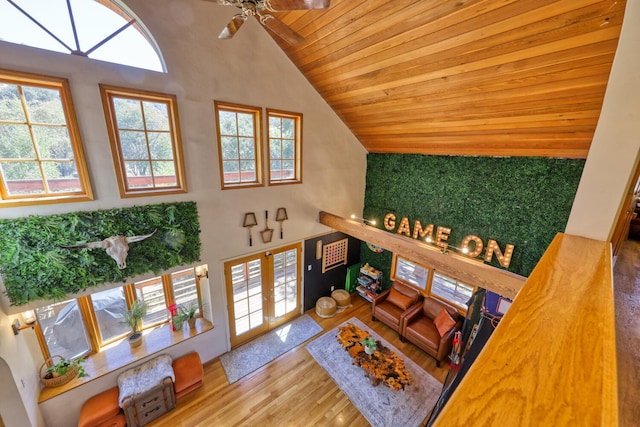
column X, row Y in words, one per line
column 152, row 293
column 63, row 329
column 411, row 272
column 185, row 290
column 450, row 290
column 33, row 132
column 156, row 115
column 10, row 107
column 164, row 174
column 94, row 22
column 283, row 146
column 145, row 132
column 44, row 105
column 15, row 142
column 134, row 145
column 53, row 142
column 109, row 307
column 238, row 147
column 160, row 145
column 22, row 178
column 128, row 113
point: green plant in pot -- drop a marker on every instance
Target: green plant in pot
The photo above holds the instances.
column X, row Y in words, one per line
column 133, row 318
column 186, row 313
column 370, row 345
column 63, row 366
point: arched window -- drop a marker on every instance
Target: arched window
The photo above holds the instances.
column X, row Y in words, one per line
column 99, row 29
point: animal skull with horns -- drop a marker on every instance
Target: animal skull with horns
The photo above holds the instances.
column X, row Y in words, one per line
column 117, row 247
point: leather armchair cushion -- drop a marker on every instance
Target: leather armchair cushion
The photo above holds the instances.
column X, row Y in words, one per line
column 423, row 333
column 443, row 322
column 400, row 300
column 389, row 314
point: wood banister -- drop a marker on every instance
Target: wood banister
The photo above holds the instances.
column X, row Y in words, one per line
column 552, row 358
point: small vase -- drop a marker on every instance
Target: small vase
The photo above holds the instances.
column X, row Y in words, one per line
column 369, row 350
column 135, row 340
column 191, row 322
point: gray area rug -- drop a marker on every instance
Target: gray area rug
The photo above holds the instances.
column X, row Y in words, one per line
column 380, row 405
column 249, row 357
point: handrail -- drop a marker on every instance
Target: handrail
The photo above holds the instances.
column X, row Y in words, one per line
column 552, row 358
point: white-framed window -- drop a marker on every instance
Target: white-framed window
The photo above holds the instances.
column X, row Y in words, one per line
column 106, row 30
column 239, row 145
column 285, row 147
column 451, row 290
column 41, row 156
column 144, row 131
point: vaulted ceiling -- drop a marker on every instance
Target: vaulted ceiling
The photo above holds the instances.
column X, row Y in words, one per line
column 462, row 77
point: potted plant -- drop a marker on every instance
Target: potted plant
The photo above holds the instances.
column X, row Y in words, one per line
column 62, row 371
column 133, row 318
column 370, row 345
column 186, row 314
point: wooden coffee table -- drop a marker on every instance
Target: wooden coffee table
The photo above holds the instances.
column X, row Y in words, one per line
column 383, row 366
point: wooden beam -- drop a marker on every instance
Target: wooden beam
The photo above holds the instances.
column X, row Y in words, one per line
column 467, row 270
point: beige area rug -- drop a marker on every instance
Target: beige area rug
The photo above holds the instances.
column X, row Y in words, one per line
column 251, row 356
column 380, row 405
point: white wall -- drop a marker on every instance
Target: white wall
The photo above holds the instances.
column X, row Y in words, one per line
column 615, row 148
column 250, row 69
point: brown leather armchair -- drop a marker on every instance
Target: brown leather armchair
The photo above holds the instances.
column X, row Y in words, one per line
column 389, row 307
column 429, row 329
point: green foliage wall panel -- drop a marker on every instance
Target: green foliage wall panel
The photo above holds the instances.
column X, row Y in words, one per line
column 34, row 266
column 523, row 201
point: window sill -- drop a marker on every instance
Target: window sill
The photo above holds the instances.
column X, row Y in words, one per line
column 121, row 355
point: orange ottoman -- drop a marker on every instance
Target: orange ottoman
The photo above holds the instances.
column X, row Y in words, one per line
column 188, row 372
column 102, row 410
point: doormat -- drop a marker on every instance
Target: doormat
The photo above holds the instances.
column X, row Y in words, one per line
column 380, row 405
column 247, row 358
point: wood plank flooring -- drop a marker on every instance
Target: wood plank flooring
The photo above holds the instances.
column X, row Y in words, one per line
column 291, row 391
column 626, row 279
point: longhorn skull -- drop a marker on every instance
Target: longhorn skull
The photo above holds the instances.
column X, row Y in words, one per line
column 117, row 247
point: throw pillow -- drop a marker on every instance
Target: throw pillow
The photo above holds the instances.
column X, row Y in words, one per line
column 444, row 322
column 399, row 299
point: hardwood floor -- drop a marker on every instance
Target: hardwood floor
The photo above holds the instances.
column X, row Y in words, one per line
column 291, row 391
column 626, row 279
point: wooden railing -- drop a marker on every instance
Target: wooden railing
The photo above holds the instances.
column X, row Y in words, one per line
column 552, row 359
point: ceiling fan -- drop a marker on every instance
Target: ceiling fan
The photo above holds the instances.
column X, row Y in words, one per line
column 262, row 10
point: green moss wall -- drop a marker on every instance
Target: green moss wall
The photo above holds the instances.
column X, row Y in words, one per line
column 35, row 266
column 523, row 201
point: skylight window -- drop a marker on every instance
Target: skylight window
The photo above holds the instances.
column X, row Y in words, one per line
column 98, row 29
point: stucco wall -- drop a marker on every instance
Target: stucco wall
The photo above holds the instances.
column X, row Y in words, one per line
column 250, row 69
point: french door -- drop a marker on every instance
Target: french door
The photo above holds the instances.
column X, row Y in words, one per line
column 263, row 291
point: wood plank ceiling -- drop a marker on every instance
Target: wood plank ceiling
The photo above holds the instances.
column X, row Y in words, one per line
column 462, row 77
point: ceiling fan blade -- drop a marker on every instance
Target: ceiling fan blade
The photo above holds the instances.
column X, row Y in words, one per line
column 281, row 29
column 232, row 27
column 283, row 5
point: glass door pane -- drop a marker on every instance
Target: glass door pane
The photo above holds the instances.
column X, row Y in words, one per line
column 245, row 296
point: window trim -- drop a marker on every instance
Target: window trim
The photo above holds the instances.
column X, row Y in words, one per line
column 61, row 84
column 257, row 125
column 461, row 308
column 297, row 117
column 89, row 318
column 108, row 93
column 429, row 285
